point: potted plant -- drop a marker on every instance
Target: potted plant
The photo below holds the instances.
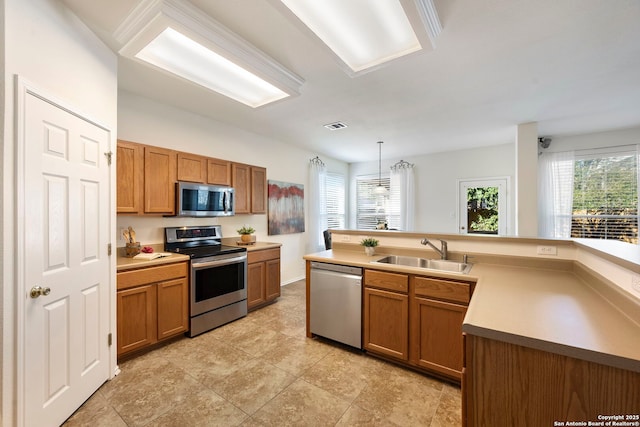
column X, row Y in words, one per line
column 369, row 244
column 245, row 233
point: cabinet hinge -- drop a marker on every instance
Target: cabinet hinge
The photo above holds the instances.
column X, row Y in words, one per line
column 109, row 249
column 110, row 339
column 108, row 155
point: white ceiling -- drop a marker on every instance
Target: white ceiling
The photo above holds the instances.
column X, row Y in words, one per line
column 573, row 66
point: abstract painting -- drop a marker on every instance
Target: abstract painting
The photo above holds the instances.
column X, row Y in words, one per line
column 286, row 208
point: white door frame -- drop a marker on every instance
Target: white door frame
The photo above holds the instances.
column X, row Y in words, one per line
column 462, row 207
column 23, row 88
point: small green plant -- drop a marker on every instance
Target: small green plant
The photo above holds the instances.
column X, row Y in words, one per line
column 246, row 230
column 369, row 242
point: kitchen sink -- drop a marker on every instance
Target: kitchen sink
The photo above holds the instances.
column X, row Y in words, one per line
column 431, row 264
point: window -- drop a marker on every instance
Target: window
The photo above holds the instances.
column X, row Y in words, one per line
column 605, row 195
column 373, row 209
column 590, row 194
column 334, row 206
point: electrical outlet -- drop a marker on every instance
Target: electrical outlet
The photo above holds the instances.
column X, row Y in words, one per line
column 346, row 238
column 547, row 250
column 635, row 282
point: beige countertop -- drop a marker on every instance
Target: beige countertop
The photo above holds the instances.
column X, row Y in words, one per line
column 257, row 246
column 546, row 309
column 124, row 263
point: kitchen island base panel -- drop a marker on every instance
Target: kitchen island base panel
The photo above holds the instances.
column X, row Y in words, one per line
column 508, row 384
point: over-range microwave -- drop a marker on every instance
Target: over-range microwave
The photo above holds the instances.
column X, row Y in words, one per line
column 203, row 200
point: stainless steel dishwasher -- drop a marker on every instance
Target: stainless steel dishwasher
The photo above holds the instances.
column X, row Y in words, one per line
column 336, row 303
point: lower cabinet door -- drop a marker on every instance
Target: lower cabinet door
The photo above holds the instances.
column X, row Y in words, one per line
column 136, row 318
column 173, row 307
column 255, row 284
column 436, row 336
column 272, row 279
column 386, row 323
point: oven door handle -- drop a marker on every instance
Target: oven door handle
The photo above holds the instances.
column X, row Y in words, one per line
column 199, row 265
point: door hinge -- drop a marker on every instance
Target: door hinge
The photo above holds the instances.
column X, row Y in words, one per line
column 109, row 249
column 110, row 339
column 108, row 155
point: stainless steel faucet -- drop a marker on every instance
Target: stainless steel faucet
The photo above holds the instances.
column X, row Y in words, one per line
column 443, row 247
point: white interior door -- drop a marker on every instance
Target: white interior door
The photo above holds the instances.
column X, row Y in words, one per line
column 483, row 206
column 65, row 262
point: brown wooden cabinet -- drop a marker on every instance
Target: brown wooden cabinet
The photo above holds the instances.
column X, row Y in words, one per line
column 436, row 335
column 218, row 172
column 152, row 305
column 258, row 190
column 241, row 182
column 438, row 308
column 136, row 318
column 146, row 178
column 386, row 314
column 192, row 168
column 159, row 180
column 250, row 184
column 130, row 174
column 263, row 277
column 416, row 320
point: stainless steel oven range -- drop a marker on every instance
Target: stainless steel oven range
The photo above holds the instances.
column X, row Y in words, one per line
column 218, row 290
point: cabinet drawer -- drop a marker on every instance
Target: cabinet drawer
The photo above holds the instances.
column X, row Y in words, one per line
column 128, row 279
column 442, row 289
column 389, row 281
column 262, row 255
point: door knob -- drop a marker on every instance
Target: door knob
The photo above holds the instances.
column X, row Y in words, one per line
column 37, row 290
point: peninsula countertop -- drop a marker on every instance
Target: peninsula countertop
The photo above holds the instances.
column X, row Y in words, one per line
column 553, row 310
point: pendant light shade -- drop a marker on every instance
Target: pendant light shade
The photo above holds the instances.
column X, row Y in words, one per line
column 380, row 190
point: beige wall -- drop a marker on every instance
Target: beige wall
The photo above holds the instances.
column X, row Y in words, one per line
column 145, row 121
column 437, row 176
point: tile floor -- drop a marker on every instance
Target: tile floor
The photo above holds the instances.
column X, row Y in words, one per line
column 262, row 371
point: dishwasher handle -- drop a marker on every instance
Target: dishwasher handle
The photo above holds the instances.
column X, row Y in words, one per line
column 336, row 268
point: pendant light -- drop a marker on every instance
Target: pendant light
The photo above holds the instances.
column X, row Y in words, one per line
column 380, row 190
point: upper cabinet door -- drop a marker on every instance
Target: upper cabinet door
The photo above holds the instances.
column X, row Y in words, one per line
column 218, row 172
column 130, row 174
column 241, row 181
column 258, row 190
column 192, row 168
column 159, row 180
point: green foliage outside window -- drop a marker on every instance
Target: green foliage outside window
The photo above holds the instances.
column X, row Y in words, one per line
column 482, row 210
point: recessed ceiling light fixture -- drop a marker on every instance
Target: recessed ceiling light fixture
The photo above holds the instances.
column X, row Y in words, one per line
column 365, row 34
column 178, row 38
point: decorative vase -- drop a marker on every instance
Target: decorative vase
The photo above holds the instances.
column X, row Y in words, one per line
column 246, row 238
column 369, row 250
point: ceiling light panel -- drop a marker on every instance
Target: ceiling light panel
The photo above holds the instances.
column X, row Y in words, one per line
column 362, row 33
column 178, row 54
column 177, row 37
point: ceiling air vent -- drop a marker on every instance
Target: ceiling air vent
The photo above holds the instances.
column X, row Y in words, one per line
column 335, row 126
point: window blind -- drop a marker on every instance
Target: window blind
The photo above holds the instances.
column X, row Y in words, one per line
column 605, row 194
column 334, row 208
